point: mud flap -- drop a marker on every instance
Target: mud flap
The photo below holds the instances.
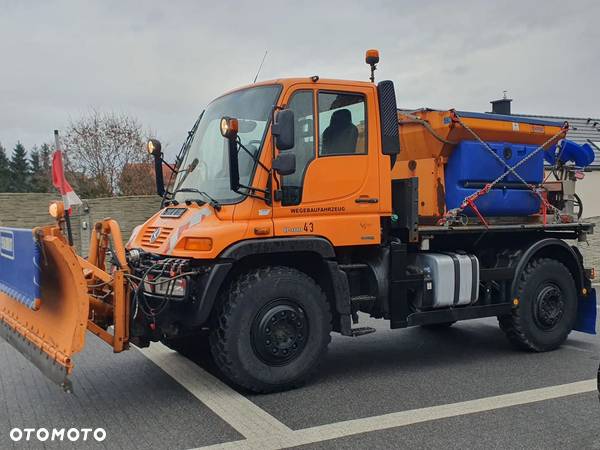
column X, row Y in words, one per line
column 586, row 313
column 45, row 321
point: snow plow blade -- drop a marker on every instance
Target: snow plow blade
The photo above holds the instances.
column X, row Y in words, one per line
column 50, row 296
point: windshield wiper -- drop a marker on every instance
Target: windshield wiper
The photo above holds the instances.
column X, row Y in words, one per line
column 186, row 172
column 182, row 152
column 211, row 201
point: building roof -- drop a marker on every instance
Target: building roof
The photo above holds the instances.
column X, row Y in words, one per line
column 581, row 130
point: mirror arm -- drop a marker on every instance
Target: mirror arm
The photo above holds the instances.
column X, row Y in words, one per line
column 252, row 155
column 234, row 168
column 158, row 174
column 252, row 188
column 265, row 199
column 234, row 146
column 171, row 167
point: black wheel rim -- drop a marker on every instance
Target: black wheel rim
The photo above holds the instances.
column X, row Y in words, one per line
column 279, row 332
column 549, row 307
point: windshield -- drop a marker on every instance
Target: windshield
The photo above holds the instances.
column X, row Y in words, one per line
column 205, row 166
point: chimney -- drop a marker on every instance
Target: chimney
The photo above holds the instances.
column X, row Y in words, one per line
column 501, row 106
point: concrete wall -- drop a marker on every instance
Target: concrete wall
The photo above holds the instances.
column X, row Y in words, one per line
column 128, row 211
column 30, row 210
column 25, row 210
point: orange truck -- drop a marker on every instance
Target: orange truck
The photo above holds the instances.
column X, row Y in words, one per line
column 295, row 205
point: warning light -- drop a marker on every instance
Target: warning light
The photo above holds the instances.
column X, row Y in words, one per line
column 372, row 58
column 56, row 210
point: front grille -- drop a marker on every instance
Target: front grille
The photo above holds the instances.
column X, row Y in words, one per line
column 160, row 240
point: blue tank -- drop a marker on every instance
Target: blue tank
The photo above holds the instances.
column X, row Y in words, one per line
column 569, row 151
column 471, row 167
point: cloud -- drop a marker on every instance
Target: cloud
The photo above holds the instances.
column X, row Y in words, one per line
column 164, row 61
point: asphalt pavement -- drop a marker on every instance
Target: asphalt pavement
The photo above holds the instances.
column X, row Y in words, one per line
column 463, row 387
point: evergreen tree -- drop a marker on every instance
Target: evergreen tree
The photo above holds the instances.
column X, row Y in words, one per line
column 19, row 170
column 46, row 158
column 39, row 181
column 4, row 171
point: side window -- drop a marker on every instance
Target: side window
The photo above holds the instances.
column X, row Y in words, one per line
column 342, row 124
column 304, row 145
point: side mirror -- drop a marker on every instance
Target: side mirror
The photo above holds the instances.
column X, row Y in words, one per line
column 390, row 136
column 283, row 129
column 285, row 164
column 154, row 148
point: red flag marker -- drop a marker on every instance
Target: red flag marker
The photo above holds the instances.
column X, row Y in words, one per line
column 70, row 198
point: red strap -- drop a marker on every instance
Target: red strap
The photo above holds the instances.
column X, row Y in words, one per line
column 471, row 203
column 454, row 116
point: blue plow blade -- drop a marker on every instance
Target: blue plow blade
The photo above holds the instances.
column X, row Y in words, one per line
column 586, row 313
column 20, row 266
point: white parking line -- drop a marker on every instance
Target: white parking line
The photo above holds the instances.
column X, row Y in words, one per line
column 400, row 419
column 240, row 413
column 263, row 431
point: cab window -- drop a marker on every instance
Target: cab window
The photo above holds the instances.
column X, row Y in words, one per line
column 302, row 104
column 342, row 124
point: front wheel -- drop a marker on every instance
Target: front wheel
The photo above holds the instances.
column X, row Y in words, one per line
column 273, row 328
column 547, row 307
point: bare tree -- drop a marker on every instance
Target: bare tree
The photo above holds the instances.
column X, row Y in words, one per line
column 99, row 145
column 137, row 179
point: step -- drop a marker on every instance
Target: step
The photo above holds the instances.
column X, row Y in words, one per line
column 362, row 298
column 361, row 331
column 356, row 266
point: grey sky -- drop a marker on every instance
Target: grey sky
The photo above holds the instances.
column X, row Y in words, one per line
column 163, row 61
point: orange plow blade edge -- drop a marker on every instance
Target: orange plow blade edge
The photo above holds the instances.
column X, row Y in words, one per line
column 47, row 319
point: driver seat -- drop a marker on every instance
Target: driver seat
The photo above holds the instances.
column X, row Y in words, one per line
column 341, row 135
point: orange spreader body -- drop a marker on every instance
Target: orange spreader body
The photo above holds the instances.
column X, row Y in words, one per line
column 426, row 148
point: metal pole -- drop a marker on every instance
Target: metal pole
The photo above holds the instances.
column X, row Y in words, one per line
column 67, row 211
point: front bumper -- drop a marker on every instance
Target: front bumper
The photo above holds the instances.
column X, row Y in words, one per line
column 157, row 316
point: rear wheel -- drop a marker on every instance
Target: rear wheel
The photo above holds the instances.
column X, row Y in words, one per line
column 547, row 307
column 273, row 329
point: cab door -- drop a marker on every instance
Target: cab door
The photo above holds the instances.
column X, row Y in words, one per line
column 334, row 192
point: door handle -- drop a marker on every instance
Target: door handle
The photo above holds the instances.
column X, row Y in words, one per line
column 366, row 199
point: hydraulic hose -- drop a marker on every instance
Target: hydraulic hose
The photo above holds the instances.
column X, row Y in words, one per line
column 424, row 123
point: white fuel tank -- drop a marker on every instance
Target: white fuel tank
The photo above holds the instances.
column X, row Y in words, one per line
column 455, row 278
